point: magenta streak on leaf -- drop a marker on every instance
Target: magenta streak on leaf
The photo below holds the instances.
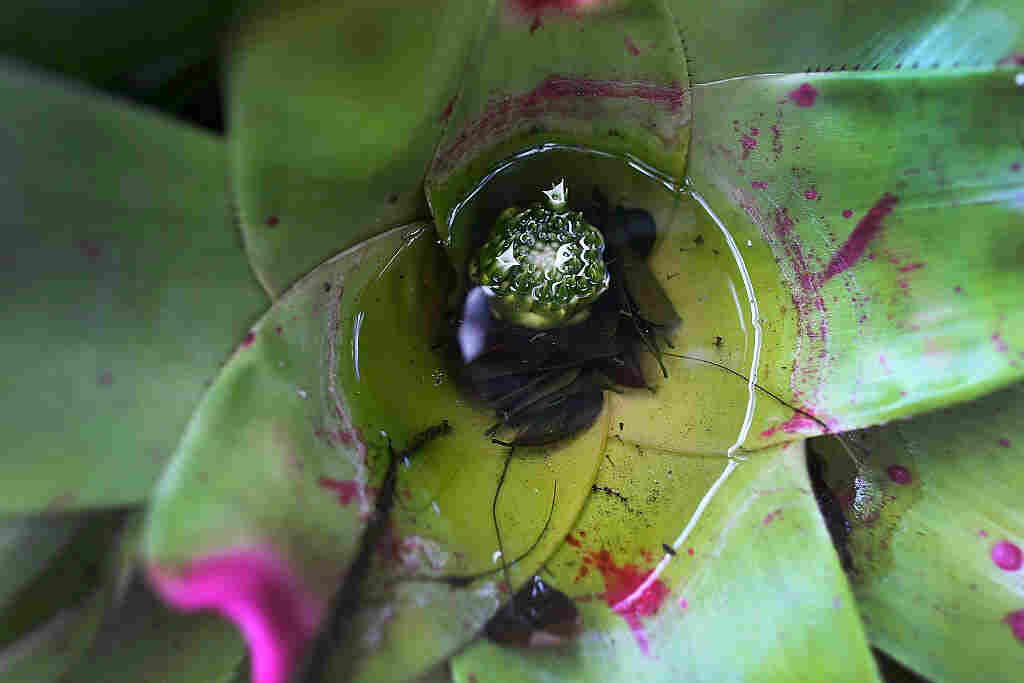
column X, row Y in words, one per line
column 1007, row 556
column 272, row 221
column 898, row 474
column 533, row 6
column 255, row 589
column 847, row 213
column 800, row 424
column 1015, row 166
column 812, row 194
column 804, row 96
column 866, row 229
column 619, row 583
column 1005, row 443
column 249, row 339
column 555, row 97
column 1015, row 620
column 631, row 47
column 759, row 185
column 1000, row 344
column 911, row 266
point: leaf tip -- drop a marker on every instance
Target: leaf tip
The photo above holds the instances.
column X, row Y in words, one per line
column 256, row 590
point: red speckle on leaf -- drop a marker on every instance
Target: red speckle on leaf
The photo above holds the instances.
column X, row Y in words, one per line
column 856, row 243
column 759, row 185
column 583, row 534
column 448, row 109
column 90, row 250
column 574, row 542
column 1015, row 620
column 804, row 96
column 1007, row 556
column 1005, row 443
column 772, row 516
column 620, row 582
column 347, row 490
column 272, row 221
column 776, row 141
column 1012, row 59
column 748, row 144
column 249, row 339
column 1000, row 344
column 689, row 551
column 911, row 266
column 631, row 47
column 755, row 131
column 1015, row 166
column 847, row 213
column 278, row 330
column 982, row 533
column 811, row 194
column 899, row 475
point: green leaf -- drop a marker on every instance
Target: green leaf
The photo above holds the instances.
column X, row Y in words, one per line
column 144, row 641
column 335, row 110
column 123, row 287
column 108, row 43
column 27, row 546
column 741, row 37
column 435, row 576
column 755, row 592
column 611, row 78
column 46, row 626
column 53, row 648
column 891, row 203
column 936, row 535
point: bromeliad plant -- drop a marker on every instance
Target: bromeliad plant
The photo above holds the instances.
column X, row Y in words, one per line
column 813, row 221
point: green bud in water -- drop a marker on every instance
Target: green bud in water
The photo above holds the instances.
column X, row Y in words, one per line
column 543, row 266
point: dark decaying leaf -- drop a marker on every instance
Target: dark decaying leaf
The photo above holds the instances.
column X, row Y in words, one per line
column 558, row 417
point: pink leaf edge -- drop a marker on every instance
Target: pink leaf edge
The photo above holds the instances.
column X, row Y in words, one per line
column 255, row 589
